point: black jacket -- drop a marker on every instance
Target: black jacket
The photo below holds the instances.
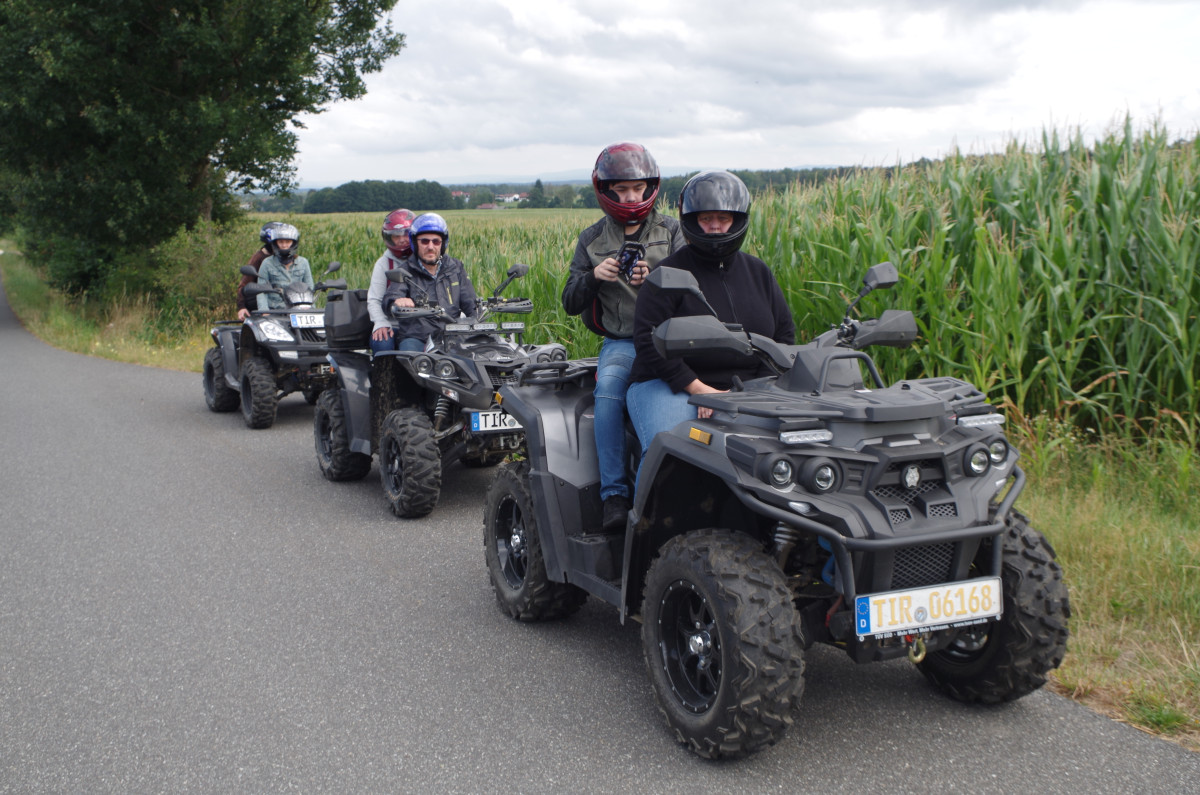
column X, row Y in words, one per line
column 451, row 288
column 742, row 290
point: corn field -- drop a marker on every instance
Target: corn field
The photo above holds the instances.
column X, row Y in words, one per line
column 1059, row 278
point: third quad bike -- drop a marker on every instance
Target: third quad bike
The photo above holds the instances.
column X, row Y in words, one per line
column 811, row 507
column 421, row 410
column 271, row 354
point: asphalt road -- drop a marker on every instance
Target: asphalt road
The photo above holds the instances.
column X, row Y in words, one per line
column 187, row 606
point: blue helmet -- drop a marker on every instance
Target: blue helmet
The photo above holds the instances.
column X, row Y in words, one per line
column 426, row 223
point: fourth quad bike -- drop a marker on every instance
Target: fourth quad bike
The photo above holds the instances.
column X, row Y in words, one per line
column 420, row 411
column 254, row 363
column 811, row 507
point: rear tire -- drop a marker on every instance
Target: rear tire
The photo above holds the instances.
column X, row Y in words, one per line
column 332, row 440
column 410, row 464
column 260, row 398
column 219, row 395
column 722, row 643
column 1008, row 659
column 513, row 552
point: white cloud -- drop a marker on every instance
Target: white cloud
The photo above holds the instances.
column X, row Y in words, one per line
column 525, row 88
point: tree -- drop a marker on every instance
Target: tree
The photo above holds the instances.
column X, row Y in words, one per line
column 125, row 119
column 481, row 196
column 537, row 195
column 565, row 194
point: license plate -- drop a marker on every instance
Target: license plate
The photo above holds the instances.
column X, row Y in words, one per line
column 956, row 604
column 308, row 321
column 484, row 421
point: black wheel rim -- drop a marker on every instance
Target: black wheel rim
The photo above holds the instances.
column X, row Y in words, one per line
column 691, row 646
column 393, row 470
column 511, row 549
column 968, row 646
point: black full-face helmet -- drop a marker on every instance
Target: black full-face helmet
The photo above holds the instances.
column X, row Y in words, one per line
column 708, row 192
column 625, row 162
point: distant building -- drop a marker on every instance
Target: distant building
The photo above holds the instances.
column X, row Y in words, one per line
column 488, row 206
column 460, row 194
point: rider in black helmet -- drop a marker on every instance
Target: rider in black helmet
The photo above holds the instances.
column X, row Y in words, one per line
column 714, row 212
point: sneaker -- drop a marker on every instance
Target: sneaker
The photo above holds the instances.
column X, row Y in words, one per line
column 616, row 510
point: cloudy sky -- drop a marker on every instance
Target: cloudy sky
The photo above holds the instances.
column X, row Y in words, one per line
column 498, row 90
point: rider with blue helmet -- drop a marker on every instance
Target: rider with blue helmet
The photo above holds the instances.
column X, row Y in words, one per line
column 431, row 277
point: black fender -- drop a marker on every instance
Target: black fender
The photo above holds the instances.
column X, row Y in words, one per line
column 227, row 337
column 352, row 374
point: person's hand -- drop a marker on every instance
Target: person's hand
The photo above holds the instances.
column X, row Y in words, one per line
column 404, row 301
column 607, row 271
column 243, row 314
column 381, row 334
column 698, row 387
column 640, row 271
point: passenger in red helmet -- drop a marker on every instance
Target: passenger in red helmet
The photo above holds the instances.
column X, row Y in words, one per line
column 395, row 236
column 626, row 181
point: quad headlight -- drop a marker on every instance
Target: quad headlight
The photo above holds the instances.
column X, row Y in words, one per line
column 998, row 451
column 275, row 332
column 976, row 460
column 445, row 369
column 781, row 472
column 423, row 365
column 820, row 475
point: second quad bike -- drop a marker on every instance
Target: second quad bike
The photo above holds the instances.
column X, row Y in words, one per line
column 420, row 411
column 271, row 354
column 812, row 507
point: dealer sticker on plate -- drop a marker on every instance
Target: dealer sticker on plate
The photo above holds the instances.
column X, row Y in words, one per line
column 484, row 421
column 308, row 321
column 956, row 604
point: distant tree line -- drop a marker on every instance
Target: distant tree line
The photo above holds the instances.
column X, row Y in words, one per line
column 379, row 196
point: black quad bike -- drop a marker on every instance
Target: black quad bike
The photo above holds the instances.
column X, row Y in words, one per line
column 270, row 354
column 420, row 411
column 810, row 507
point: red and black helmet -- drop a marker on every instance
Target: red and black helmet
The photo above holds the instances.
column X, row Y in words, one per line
column 625, row 162
column 395, row 231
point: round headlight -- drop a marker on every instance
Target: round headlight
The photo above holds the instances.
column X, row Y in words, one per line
column 543, row 357
column 781, row 472
column 977, row 460
column 824, row 477
column 559, row 355
column 423, row 365
column 819, row 475
column 445, row 368
column 998, row 451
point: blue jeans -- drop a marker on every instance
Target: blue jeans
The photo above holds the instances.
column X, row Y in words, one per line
column 612, row 379
column 654, row 406
column 405, row 344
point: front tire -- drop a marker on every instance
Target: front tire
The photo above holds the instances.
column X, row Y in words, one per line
column 722, row 643
column 1008, row 659
column 410, row 464
column 260, row 398
column 331, row 437
column 217, row 394
column 513, row 552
